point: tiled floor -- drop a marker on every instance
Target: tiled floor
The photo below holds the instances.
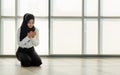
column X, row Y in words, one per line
column 63, row 66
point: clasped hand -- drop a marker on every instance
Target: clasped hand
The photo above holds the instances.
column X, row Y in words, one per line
column 31, row 34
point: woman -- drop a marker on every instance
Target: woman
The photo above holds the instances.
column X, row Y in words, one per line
column 27, row 38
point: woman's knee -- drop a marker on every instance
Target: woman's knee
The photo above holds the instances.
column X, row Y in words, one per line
column 24, row 59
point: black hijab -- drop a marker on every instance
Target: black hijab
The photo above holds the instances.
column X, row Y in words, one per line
column 24, row 28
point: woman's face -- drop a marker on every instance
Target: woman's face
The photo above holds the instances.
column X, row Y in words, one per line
column 30, row 23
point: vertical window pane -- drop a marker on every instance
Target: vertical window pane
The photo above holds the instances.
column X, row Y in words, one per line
column 111, row 36
column 110, row 7
column 8, row 7
column 36, row 7
column 19, row 22
column 8, row 36
column 91, row 36
column 67, row 37
column 91, row 7
column 67, row 8
column 42, row 25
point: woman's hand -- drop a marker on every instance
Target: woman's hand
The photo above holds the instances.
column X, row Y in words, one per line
column 31, row 34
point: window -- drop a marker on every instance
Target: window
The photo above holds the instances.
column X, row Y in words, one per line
column 91, row 7
column 8, row 36
column 66, row 27
column 91, row 36
column 110, row 7
column 9, row 8
column 36, row 7
column 111, row 37
column 67, row 37
column 67, row 7
column 11, row 19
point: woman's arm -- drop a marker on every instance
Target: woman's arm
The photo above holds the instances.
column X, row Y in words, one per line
column 24, row 41
column 35, row 39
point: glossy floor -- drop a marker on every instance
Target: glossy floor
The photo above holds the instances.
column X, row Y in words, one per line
column 63, row 66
